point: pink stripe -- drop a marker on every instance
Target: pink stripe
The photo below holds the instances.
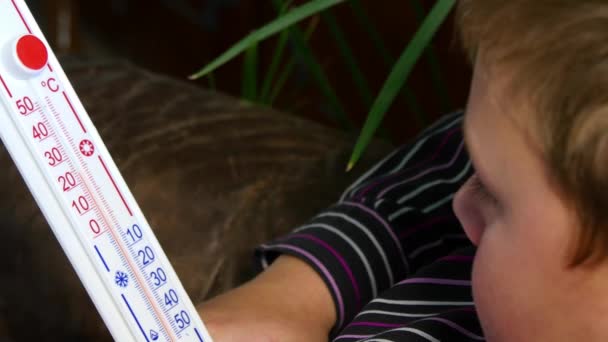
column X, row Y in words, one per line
column 340, row 259
column 358, row 337
column 456, row 327
column 436, row 281
column 376, row 324
column 425, row 172
column 460, row 258
column 447, row 322
column 433, row 221
column 386, row 226
column 418, row 165
column 327, row 275
column 396, row 325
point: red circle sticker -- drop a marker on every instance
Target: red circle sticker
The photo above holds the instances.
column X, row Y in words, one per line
column 86, row 148
column 32, row 52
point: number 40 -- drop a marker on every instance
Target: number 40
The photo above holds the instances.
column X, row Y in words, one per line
column 171, row 298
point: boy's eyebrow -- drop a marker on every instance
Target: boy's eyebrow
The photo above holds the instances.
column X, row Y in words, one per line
column 474, row 164
column 467, row 145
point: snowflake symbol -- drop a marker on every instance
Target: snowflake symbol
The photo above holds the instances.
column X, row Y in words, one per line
column 121, row 279
column 86, row 148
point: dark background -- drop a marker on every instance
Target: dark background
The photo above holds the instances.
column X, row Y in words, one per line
column 177, row 37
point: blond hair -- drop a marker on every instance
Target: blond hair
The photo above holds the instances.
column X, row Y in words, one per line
column 558, row 51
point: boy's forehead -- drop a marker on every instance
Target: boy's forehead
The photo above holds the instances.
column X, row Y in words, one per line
column 497, row 146
column 497, row 93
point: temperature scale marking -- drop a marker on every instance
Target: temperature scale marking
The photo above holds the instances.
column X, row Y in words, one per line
column 102, row 259
column 6, row 87
column 81, row 193
column 74, row 111
column 115, row 186
column 27, row 27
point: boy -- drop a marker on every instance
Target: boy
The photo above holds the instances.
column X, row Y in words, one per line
column 389, row 262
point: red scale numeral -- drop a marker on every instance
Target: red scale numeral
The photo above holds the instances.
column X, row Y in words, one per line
column 53, row 156
column 39, row 131
column 25, row 105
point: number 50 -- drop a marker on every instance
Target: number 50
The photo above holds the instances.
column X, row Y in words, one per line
column 25, row 105
column 182, row 319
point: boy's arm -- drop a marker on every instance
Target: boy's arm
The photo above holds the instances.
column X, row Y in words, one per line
column 396, row 218
column 286, row 302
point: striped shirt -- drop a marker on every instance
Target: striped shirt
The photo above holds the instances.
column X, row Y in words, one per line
column 391, row 251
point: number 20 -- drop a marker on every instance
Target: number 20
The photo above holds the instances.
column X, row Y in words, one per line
column 67, row 182
column 147, row 255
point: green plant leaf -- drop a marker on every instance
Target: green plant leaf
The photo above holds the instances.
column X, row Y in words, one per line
column 292, row 17
column 399, row 75
column 274, row 66
column 286, row 72
column 365, row 22
column 250, row 73
column 349, row 59
column 279, row 51
column 389, row 60
column 439, row 85
column 211, row 80
column 303, row 51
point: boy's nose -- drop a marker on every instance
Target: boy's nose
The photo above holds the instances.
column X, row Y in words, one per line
column 466, row 208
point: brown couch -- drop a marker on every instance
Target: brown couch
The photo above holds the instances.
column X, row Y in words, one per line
column 214, row 175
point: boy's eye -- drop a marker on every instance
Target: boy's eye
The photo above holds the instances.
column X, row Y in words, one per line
column 481, row 191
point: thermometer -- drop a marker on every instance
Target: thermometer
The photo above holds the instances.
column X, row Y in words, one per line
column 82, row 194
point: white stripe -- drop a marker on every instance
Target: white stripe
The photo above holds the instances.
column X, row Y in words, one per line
column 371, row 237
column 379, row 203
column 388, row 228
column 425, row 210
column 419, row 302
column 460, row 328
column 355, row 187
column 442, row 120
column 400, row 212
column 438, row 204
column 353, row 245
column 426, row 186
column 430, row 169
column 350, row 189
column 264, row 261
column 421, row 142
column 428, row 246
column 391, row 313
column 412, row 330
